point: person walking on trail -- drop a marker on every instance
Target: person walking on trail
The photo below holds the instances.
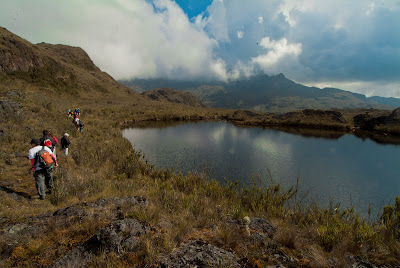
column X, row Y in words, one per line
column 42, row 161
column 76, row 122
column 80, row 125
column 47, row 136
column 56, row 142
column 69, row 113
column 78, row 111
column 65, row 142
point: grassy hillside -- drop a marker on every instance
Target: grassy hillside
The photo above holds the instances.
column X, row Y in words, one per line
column 38, row 83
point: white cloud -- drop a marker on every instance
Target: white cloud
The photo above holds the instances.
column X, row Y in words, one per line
column 217, row 21
column 330, row 41
column 371, row 8
column 125, row 38
column 277, row 51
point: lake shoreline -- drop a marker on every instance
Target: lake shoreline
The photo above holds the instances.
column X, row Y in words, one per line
column 340, row 122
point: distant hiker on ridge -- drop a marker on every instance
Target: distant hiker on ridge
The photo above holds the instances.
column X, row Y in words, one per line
column 80, row 125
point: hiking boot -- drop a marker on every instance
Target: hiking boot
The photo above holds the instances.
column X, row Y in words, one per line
column 41, row 197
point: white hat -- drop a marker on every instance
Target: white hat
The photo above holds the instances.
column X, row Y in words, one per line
column 66, row 134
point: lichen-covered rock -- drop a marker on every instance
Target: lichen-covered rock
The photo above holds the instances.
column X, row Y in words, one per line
column 10, row 110
column 262, row 225
column 259, row 225
column 118, row 237
column 198, row 253
column 121, row 234
column 358, row 262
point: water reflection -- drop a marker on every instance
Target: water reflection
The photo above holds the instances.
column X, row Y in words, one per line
column 312, row 133
column 334, row 166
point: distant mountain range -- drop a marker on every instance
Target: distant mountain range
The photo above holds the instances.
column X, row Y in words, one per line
column 265, row 93
column 172, row 95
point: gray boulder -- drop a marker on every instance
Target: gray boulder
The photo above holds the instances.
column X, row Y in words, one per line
column 118, row 237
column 198, row 253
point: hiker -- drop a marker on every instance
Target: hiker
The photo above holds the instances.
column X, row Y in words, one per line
column 65, row 142
column 80, row 125
column 69, row 113
column 56, row 142
column 78, row 111
column 47, row 136
column 43, row 174
column 76, row 122
column 76, row 115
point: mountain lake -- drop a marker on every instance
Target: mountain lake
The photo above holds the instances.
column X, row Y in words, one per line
column 328, row 167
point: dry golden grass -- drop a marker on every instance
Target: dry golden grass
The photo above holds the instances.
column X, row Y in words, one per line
column 103, row 164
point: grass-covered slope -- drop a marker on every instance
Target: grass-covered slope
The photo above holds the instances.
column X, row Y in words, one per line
column 83, row 221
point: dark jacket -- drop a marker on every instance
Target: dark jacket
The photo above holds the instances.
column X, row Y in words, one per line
column 47, row 137
column 65, row 142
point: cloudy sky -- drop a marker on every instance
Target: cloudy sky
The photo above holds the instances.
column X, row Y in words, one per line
column 353, row 45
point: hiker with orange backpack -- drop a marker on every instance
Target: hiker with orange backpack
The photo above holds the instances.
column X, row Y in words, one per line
column 42, row 161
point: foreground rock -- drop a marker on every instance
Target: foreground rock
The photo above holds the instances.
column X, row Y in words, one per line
column 119, row 237
column 13, row 235
column 200, row 254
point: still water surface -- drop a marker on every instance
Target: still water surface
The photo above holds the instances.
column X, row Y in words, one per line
column 337, row 167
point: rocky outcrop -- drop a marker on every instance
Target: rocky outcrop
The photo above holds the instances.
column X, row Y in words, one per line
column 199, row 253
column 256, row 225
column 72, row 55
column 358, row 262
column 113, row 208
column 10, row 110
column 118, row 237
column 309, row 114
column 17, row 54
column 172, row 95
column 371, row 123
